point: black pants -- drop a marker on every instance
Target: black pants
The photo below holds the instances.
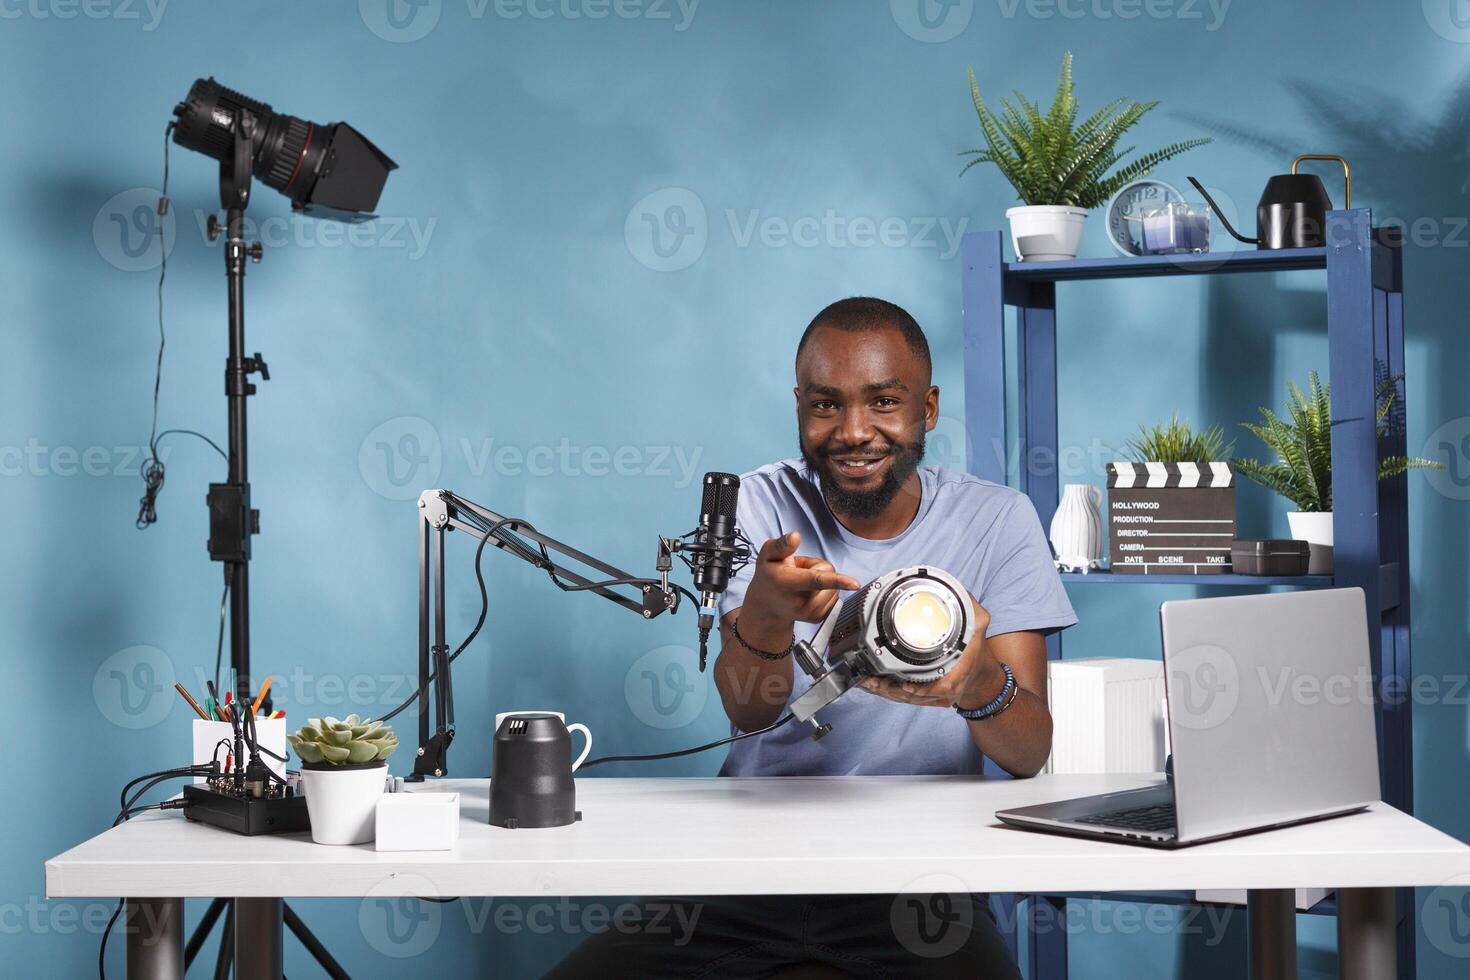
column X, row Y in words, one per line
column 931, row 936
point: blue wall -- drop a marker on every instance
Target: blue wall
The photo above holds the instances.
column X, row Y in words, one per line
column 513, row 329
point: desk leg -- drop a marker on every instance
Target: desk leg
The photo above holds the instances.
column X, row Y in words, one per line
column 155, row 931
column 258, row 939
column 1272, row 917
column 1367, row 947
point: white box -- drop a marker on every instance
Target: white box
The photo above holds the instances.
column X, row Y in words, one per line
column 417, row 822
column 270, row 733
column 1106, row 715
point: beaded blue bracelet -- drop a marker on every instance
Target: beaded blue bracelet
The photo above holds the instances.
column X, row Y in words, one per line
column 1002, row 700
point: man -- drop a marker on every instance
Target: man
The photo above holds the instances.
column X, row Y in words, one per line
column 855, row 505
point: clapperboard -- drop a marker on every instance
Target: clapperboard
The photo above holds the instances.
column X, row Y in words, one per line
column 1170, row 518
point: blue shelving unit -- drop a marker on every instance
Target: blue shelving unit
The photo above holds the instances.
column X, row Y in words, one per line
column 1365, row 339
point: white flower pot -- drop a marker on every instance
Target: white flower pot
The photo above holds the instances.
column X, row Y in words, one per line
column 1045, row 232
column 343, row 801
column 1315, row 528
column 1077, row 531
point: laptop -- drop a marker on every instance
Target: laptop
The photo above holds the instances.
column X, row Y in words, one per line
column 1270, row 722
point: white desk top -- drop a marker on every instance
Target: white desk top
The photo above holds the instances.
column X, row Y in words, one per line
column 760, row 836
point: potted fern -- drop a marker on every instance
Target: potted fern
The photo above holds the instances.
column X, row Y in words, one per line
column 1171, row 501
column 344, row 768
column 1058, row 166
column 1302, row 472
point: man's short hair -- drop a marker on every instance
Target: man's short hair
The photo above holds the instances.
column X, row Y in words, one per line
column 864, row 313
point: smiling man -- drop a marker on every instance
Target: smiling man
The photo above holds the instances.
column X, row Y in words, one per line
column 858, row 503
column 855, row 505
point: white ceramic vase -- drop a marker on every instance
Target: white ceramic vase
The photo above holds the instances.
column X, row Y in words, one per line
column 1045, row 232
column 343, row 802
column 1077, row 532
column 1315, row 528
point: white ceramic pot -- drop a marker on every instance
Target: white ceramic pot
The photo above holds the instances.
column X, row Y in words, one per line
column 1077, row 531
column 1045, row 232
column 342, row 802
column 1315, row 528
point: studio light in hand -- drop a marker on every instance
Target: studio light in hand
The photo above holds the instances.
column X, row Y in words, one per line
column 922, row 620
column 911, row 624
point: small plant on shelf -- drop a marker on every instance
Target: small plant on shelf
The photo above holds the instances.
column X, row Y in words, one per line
column 1302, row 472
column 1060, row 168
column 1189, row 501
column 1302, row 442
column 1175, row 441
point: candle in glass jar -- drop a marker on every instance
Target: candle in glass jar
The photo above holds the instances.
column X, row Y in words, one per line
column 1176, row 228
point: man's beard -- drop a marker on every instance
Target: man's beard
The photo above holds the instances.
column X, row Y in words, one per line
column 864, row 504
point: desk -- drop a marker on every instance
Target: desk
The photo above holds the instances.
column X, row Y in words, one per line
column 693, row 837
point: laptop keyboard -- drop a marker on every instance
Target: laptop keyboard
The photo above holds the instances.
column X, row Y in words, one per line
column 1154, row 819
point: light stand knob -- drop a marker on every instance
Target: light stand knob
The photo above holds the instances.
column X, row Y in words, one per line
column 211, row 228
column 254, row 251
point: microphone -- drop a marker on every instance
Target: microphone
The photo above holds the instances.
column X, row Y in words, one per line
column 715, row 536
column 715, row 548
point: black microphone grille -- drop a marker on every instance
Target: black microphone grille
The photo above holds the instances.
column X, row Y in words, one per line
column 721, row 493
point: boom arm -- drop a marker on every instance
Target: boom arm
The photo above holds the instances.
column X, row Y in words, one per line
column 443, row 510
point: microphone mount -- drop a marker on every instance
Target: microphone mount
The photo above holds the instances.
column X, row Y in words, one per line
column 739, row 552
column 441, row 511
column 702, row 550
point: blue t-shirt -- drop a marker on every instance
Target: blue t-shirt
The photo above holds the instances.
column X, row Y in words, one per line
column 986, row 535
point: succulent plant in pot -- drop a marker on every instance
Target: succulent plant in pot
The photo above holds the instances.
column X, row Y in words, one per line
column 344, row 768
column 352, row 741
column 1058, row 166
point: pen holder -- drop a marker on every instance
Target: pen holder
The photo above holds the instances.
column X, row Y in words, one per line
column 270, row 733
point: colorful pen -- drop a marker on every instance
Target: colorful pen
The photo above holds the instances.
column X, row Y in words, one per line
column 261, row 696
column 192, row 703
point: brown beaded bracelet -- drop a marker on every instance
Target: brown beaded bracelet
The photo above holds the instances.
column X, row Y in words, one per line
column 764, row 655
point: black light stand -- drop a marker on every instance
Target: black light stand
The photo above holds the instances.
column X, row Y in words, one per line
column 232, row 521
column 328, row 171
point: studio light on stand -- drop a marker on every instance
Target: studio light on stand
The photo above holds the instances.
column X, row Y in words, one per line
column 327, row 171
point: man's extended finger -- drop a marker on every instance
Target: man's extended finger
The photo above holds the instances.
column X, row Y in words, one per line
column 779, row 549
column 823, row 565
column 802, row 579
column 814, row 579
